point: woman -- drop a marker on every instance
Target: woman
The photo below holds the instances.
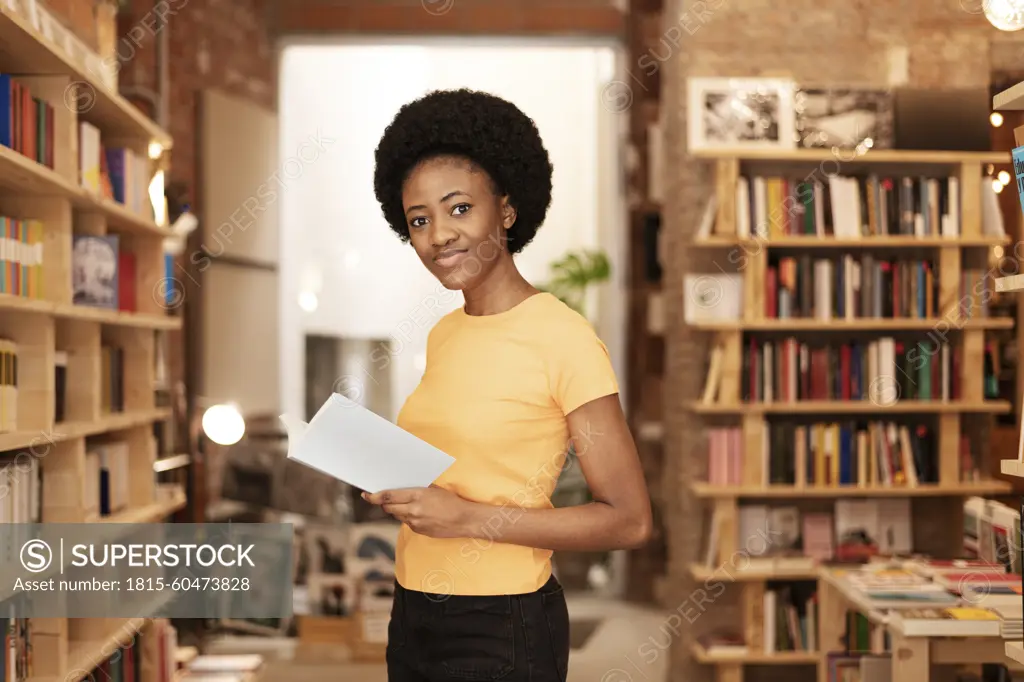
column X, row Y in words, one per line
column 512, row 379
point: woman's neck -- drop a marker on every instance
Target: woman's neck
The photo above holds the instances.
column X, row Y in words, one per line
column 503, row 288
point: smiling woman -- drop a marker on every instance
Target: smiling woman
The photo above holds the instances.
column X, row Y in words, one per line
column 512, row 379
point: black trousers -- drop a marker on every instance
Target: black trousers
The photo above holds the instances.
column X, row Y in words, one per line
column 516, row 638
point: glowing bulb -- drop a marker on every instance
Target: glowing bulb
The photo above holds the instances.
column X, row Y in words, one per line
column 997, row 186
column 997, row 251
column 996, row 119
column 1004, row 177
column 1006, row 15
column 155, row 150
column 223, row 424
column 308, row 301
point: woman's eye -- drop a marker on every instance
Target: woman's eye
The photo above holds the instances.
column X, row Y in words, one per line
column 417, row 222
column 460, row 208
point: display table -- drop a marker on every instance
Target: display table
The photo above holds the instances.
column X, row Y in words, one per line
column 911, row 657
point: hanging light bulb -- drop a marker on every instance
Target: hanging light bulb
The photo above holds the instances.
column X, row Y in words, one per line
column 1006, row 15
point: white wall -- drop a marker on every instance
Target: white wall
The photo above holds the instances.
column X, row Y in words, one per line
column 335, row 241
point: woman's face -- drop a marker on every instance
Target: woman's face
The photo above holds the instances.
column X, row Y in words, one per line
column 456, row 220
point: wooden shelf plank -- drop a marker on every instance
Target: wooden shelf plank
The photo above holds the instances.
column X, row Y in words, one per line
column 117, row 317
column 1011, row 283
column 1009, row 99
column 757, row 658
column 36, row 440
column 866, row 324
column 1015, row 652
column 854, row 407
column 890, row 156
column 80, row 312
column 25, row 51
column 20, row 174
column 719, row 242
column 703, row 573
column 84, row 656
column 967, row 489
column 173, row 500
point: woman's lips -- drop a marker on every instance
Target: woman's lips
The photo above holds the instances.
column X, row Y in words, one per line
column 450, row 259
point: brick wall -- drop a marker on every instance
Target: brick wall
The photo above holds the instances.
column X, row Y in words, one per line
column 827, row 42
column 223, row 44
column 77, row 15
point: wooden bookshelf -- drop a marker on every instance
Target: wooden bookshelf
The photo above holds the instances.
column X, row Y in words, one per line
column 1013, row 99
column 952, row 258
column 44, row 322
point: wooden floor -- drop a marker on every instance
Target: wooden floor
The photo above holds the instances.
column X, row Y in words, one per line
column 626, row 639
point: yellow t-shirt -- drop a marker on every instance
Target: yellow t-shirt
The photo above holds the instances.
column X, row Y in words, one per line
column 495, row 395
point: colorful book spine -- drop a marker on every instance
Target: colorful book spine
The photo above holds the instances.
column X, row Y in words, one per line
column 8, row 386
column 1018, row 172
column 26, row 121
column 21, row 257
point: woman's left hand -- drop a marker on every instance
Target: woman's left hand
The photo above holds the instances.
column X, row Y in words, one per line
column 433, row 511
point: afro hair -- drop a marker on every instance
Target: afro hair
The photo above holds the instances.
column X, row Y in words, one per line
column 489, row 131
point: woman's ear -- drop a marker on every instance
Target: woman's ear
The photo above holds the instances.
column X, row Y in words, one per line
column 508, row 213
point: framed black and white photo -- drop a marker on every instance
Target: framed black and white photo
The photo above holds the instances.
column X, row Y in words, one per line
column 741, row 113
column 847, row 118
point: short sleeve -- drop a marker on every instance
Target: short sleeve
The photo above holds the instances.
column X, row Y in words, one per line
column 580, row 368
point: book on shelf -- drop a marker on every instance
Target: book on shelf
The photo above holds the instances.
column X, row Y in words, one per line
column 115, row 173
column 60, row 385
column 1017, row 156
column 992, row 533
column 165, row 636
column 112, row 377
column 713, row 381
column 105, row 486
column 882, row 370
column 790, row 618
column 835, row 453
column 18, row 663
column 21, row 257
column 782, row 538
column 21, row 485
column 9, row 385
column 850, row 287
column 126, row 272
column 94, row 266
column 725, row 455
column 21, row 495
column 129, row 179
column 853, row 206
column 26, row 121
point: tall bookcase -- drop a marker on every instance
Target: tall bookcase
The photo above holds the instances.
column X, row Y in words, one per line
column 39, row 317
column 1012, row 99
column 937, row 506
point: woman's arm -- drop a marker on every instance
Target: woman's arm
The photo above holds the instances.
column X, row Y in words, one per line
column 618, row 518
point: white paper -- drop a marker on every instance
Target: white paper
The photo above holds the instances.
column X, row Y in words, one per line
column 359, row 447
